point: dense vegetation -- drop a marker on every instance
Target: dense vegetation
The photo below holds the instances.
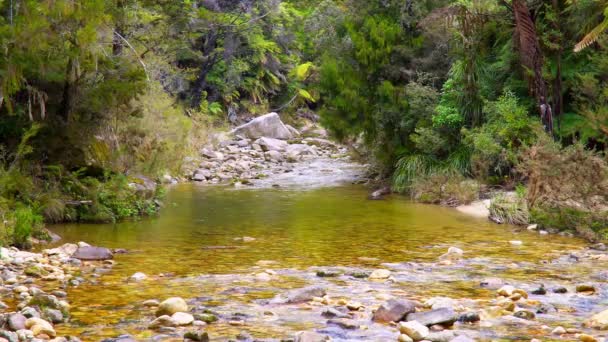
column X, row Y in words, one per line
column 95, row 95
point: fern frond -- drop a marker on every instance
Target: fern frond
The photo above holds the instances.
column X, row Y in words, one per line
column 592, row 36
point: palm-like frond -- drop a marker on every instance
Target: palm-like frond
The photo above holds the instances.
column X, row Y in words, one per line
column 594, row 35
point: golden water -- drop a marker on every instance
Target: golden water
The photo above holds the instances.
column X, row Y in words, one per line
column 297, row 229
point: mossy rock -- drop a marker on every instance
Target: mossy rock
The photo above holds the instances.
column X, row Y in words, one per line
column 206, row 317
column 36, row 271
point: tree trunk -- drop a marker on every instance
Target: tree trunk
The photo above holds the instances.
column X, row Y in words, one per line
column 558, row 97
column 532, row 59
column 67, row 100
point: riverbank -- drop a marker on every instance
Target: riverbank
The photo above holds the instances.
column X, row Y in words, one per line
column 33, row 288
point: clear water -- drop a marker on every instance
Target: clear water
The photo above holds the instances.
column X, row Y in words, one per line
column 195, row 235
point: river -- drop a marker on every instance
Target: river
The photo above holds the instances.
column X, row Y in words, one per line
column 195, row 249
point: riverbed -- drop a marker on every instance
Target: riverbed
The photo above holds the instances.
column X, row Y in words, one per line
column 210, row 244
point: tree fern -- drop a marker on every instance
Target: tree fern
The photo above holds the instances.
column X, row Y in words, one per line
column 594, row 35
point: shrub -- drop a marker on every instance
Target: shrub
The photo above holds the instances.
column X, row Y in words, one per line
column 444, row 187
column 567, row 187
column 510, row 209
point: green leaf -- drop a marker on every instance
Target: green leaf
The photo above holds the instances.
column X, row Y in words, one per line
column 306, row 95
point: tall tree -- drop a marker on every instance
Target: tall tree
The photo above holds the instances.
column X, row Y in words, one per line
column 531, row 58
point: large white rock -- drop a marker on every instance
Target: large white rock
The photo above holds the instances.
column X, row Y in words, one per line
column 269, row 125
column 271, row 144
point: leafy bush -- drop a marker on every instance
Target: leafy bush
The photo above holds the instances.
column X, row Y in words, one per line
column 567, row 187
column 510, row 209
column 444, row 187
column 495, row 145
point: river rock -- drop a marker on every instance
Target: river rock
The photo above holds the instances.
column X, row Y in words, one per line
column 182, row 318
column 310, row 336
column 469, row 317
column 162, row 321
column 270, row 144
column 299, row 295
column 462, row 338
column 560, row 290
column 53, row 315
column 404, row 338
column 414, row 329
column 558, row 331
column 585, row 288
column 443, row 316
column 335, row 313
column 269, row 125
column 138, row 276
column 344, row 323
column 293, row 131
column 394, row 310
column 206, row 317
column 379, row 194
column 441, row 336
column 598, row 321
column 92, row 253
column 67, row 249
column 453, row 254
column 172, row 305
column 16, row 321
column 492, row 283
column 200, row 336
column 380, row 274
column 525, row 314
column 39, row 326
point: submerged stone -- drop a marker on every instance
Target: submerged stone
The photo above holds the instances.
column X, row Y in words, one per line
column 444, row 316
column 393, row 311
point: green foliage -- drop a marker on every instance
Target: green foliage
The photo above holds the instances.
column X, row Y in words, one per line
column 496, row 144
column 510, row 209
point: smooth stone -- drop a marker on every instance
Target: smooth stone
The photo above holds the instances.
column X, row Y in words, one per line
column 301, row 295
column 393, row 310
column 404, row 338
column 200, row 336
column 444, row 316
column 492, row 283
column 182, row 318
column 585, row 288
column 380, row 274
column 344, row 323
column 162, row 321
column 151, row 302
column 598, row 321
column 469, row 317
column 558, row 331
column 206, row 317
column 463, row 338
column 16, row 321
column 268, row 125
column 524, row 314
column 310, row 336
column 539, row 291
column 441, row 336
column 171, row 305
column 334, row 313
column 39, row 326
column 92, row 253
column 53, row 315
column 560, row 290
column 414, row 329
column 138, row 276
